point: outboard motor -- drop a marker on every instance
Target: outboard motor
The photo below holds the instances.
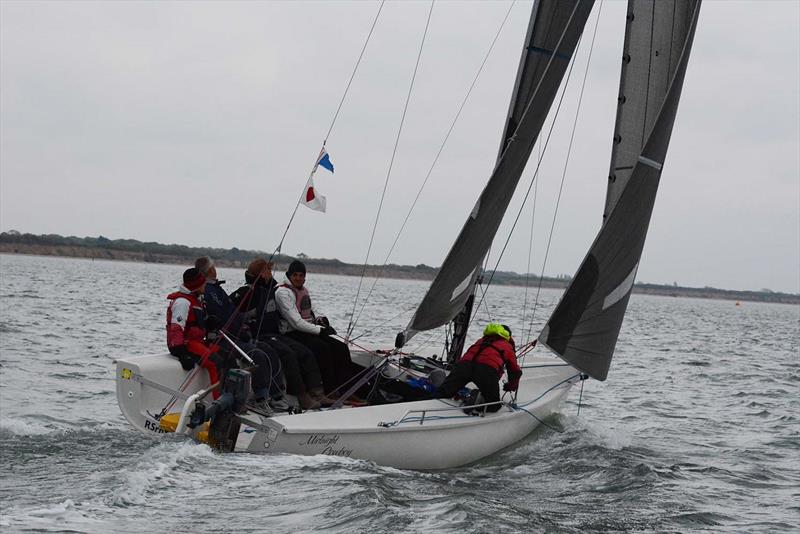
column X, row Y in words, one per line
column 223, row 412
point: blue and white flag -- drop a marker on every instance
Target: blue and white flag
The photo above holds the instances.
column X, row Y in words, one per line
column 324, row 160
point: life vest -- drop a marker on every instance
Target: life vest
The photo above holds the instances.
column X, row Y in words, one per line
column 259, row 310
column 302, row 301
column 194, row 328
column 192, row 335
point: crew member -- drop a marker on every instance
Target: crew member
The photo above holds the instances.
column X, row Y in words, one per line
column 299, row 322
column 222, row 315
column 256, row 302
column 483, row 365
column 186, row 327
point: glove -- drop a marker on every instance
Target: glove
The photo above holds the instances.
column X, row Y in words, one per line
column 327, row 331
column 322, row 321
column 511, row 386
column 187, row 359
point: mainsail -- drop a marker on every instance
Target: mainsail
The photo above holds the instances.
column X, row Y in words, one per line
column 553, row 32
column 584, row 327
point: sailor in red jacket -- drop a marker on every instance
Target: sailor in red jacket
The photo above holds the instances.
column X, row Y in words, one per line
column 483, row 364
column 186, row 329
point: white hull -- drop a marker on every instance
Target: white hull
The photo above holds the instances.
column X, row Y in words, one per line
column 429, row 434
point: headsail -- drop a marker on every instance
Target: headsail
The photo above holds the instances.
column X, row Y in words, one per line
column 553, row 34
column 586, row 323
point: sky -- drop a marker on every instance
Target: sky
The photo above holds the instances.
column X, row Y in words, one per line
column 198, row 122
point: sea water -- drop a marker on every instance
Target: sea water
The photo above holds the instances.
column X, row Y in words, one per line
column 696, row 428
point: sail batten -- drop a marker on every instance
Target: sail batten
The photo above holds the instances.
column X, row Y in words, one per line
column 553, row 33
column 585, row 325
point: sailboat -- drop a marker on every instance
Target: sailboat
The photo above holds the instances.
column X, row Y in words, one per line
column 581, row 333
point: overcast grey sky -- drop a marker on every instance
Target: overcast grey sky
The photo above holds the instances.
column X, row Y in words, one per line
column 197, row 123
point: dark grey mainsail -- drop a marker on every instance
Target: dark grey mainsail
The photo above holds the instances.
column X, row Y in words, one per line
column 553, row 34
column 584, row 327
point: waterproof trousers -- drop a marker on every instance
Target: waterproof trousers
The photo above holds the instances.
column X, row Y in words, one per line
column 299, row 364
column 483, row 376
column 333, row 358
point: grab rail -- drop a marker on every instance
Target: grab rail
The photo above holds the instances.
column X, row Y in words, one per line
column 424, row 411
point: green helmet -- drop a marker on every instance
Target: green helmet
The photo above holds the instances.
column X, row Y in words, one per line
column 497, row 329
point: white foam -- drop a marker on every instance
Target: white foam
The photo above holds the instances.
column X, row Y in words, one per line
column 157, row 470
column 62, row 516
column 615, row 437
column 22, row 427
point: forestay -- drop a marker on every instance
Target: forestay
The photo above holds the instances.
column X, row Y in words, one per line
column 584, row 327
column 553, row 32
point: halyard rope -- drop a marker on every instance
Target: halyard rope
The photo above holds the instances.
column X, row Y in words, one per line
column 435, row 160
column 333, row 122
column 389, row 170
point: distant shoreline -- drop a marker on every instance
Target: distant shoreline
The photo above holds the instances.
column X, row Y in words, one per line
column 136, row 251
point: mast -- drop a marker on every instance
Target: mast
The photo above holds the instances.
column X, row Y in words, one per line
column 553, row 32
column 584, row 327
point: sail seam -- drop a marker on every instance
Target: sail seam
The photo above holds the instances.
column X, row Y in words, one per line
column 651, row 163
column 547, row 52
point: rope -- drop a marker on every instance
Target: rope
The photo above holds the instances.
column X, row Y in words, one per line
column 389, row 171
column 387, row 321
column 549, row 390
column 330, row 129
column 524, row 113
column 538, row 164
column 430, row 340
column 353, row 75
column 530, row 251
column 551, row 427
column 435, row 161
column 580, row 398
column 566, row 163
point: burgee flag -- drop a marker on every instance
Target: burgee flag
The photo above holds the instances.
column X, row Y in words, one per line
column 312, row 199
column 324, row 160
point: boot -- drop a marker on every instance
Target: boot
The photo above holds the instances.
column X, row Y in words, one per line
column 307, row 402
column 318, row 395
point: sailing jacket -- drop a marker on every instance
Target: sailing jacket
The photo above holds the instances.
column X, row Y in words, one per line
column 256, row 302
column 186, row 322
column 295, row 309
column 220, row 306
column 186, row 329
column 497, row 353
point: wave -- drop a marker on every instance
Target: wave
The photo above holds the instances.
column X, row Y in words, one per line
column 41, row 425
column 61, row 517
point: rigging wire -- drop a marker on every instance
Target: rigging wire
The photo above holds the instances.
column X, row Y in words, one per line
column 333, row 122
column 383, row 323
column 538, row 164
column 527, row 337
column 389, row 171
column 512, row 137
column 277, row 250
column 435, row 160
column 432, row 339
column 566, row 163
column 353, row 75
